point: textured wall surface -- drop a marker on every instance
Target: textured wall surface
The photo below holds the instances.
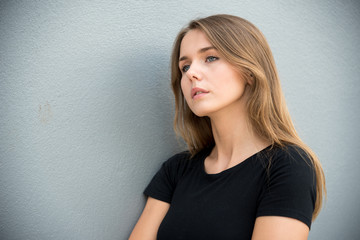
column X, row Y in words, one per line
column 86, row 109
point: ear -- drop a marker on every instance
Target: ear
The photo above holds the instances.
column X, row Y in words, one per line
column 250, row 79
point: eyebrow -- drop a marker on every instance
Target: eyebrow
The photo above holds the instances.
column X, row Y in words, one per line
column 200, row 51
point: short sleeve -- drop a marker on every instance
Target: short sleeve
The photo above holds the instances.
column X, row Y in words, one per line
column 164, row 182
column 290, row 187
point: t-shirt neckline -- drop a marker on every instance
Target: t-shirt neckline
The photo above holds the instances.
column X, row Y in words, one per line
column 233, row 168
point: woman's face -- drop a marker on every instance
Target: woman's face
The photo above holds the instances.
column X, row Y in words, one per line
column 210, row 84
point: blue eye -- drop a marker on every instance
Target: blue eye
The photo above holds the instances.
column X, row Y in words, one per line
column 211, row 59
column 185, row 68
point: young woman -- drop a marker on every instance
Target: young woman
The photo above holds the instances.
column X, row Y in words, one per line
column 247, row 174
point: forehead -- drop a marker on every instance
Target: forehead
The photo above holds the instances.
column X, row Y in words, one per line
column 193, row 41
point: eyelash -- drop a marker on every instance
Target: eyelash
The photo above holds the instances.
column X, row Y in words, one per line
column 213, row 57
column 208, row 59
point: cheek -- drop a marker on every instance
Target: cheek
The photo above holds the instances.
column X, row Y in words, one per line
column 182, row 85
column 185, row 87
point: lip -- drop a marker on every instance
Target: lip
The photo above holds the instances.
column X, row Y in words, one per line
column 195, row 90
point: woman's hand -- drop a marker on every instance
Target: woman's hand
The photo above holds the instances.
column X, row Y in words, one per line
column 148, row 224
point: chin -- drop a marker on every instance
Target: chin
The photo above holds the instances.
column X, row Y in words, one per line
column 203, row 110
column 201, row 113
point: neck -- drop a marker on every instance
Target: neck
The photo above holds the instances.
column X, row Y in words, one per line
column 234, row 138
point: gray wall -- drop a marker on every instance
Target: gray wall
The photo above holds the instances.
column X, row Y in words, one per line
column 86, row 109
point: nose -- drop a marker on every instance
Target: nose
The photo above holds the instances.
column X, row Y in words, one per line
column 194, row 72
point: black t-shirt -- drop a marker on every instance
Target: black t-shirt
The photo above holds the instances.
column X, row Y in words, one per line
column 273, row 182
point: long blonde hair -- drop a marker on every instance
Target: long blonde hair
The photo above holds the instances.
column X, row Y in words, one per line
column 244, row 46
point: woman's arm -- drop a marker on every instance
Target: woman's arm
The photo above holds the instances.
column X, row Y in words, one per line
column 279, row 228
column 148, row 224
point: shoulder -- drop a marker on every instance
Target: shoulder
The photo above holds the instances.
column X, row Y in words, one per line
column 290, row 187
column 181, row 163
column 178, row 160
column 175, row 166
column 179, row 157
column 290, row 156
column 164, row 182
column 184, row 159
column 291, row 169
